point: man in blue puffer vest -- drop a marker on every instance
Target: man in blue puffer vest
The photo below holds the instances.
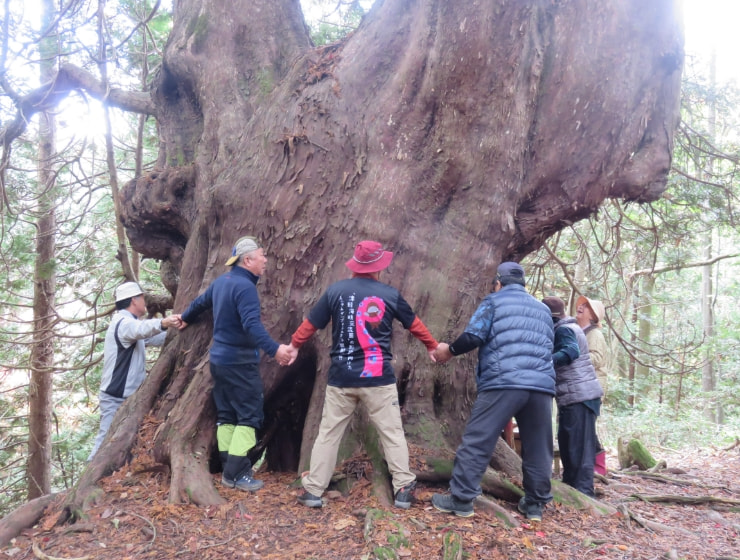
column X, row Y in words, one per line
column 514, row 334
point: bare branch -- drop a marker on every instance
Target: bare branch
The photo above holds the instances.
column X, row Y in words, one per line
column 71, row 78
column 680, row 266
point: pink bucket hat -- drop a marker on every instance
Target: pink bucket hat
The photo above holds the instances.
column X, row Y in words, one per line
column 369, row 257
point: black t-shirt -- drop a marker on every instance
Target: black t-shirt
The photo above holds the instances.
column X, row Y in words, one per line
column 361, row 311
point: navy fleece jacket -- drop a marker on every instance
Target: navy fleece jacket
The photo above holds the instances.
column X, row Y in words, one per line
column 238, row 333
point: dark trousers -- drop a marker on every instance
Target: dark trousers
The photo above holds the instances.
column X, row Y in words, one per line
column 491, row 412
column 576, row 439
column 237, row 394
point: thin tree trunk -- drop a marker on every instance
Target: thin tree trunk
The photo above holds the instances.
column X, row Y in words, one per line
column 708, row 381
column 38, row 470
column 645, row 324
column 633, row 341
column 130, row 269
column 681, row 374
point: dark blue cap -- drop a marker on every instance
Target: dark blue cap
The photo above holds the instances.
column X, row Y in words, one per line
column 509, row 273
column 510, row 269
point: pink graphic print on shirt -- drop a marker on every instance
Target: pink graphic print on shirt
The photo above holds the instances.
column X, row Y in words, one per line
column 370, row 313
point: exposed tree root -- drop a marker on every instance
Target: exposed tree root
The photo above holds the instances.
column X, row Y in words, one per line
column 493, row 482
column 502, row 513
column 659, row 466
column 601, row 478
column 453, row 546
column 671, row 480
column 394, row 539
column 38, row 553
column 694, row 500
column 23, row 517
column 650, row 525
column 569, row 496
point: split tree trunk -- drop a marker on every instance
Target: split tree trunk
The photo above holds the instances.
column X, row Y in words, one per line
column 459, row 134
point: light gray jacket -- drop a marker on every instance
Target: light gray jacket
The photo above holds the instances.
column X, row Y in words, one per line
column 124, row 353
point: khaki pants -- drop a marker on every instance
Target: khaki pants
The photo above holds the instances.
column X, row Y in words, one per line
column 385, row 414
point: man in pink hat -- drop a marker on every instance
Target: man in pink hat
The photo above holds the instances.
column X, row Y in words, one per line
column 361, row 310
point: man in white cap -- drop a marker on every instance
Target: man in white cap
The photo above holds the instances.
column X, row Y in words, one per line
column 361, row 310
column 238, row 337
column 124, row 353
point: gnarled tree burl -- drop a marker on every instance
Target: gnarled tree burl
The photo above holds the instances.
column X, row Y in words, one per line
column 457, row 133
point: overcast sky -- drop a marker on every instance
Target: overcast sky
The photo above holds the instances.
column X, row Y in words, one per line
column 714, row 24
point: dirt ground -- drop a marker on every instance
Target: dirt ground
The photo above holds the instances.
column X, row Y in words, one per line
column 134, row 520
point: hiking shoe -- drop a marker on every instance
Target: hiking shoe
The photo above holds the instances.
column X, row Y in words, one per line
column 246, row 483
column 309, row 500
column 450, row 504
column 405, row 496
column 533, row 512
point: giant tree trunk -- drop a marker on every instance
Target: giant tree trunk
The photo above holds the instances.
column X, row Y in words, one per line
column 459, row 134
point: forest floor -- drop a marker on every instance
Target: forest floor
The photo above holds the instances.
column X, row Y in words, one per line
column 134, row 520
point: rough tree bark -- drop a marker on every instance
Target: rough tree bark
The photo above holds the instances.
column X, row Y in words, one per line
column 459, row 134
column 38, row 468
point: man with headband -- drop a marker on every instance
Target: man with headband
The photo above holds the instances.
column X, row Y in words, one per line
column 238, row 336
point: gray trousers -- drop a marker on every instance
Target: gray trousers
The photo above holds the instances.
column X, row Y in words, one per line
column 108, row 407
column 491, row 412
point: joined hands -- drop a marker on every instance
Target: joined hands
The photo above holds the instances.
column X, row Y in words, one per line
column 442, row 353
column 286, row 354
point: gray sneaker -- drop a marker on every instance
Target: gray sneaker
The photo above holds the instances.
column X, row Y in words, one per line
column 246, row 483
column 533, row 512
column 405, row 496
column 450, row 504
column 309, row 500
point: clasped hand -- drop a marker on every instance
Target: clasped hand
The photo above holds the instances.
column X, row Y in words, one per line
column 442, row 353
column 286, row 354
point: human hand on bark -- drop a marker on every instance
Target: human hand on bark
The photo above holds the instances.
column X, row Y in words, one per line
column 442, row 353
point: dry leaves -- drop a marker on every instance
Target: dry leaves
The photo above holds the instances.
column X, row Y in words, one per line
column 272, row 525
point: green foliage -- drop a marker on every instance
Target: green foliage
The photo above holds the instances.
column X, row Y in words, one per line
column 645, row 263
column 660, row 425
column 330, row 21
column 85, row 255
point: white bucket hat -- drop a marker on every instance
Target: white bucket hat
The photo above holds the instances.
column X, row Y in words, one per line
column 127, row 290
